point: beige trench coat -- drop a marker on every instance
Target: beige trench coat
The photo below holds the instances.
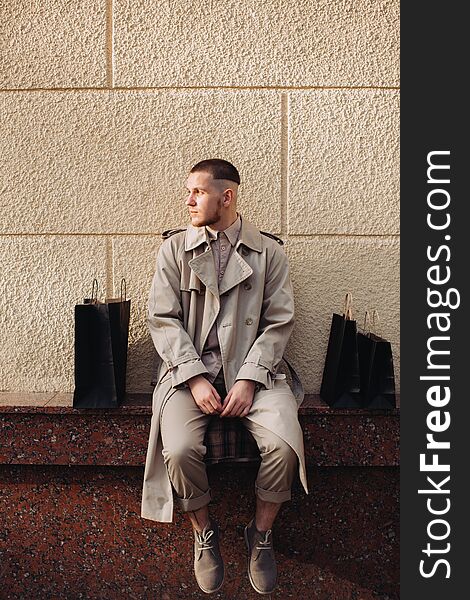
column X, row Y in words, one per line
column 254, row 309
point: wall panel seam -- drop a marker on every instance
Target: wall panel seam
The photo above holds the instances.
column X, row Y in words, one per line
column 158, row 234
column 109, row 267
column 196, row 88
column 284, row 162
column 109, row 45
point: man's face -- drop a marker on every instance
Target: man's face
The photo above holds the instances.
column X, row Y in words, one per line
column 204, row 198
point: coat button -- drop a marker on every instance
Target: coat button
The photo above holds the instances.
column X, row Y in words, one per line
column 244, row 252
column 247, row 286
column 249, row 321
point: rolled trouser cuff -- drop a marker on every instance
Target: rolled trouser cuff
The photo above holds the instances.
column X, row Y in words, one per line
column 270, row 496
column 191, row 504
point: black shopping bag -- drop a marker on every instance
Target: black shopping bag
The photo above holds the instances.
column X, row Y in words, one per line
column 340, row 386
column 101, row 339
column 377, row 373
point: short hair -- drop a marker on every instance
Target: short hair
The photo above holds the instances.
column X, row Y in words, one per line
column 218, row 168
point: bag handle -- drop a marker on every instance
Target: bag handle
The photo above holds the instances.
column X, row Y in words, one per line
column 348, row 307
column 366, row 328
column 122, row 295
column 371, row 324
column 94, row 292
column 376, row 322
column 123, row 284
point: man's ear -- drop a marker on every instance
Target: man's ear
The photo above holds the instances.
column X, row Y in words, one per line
column 228, row 196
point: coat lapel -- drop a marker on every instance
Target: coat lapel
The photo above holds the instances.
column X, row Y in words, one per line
column 204, row 268
column 202, row 265
column 237, row 270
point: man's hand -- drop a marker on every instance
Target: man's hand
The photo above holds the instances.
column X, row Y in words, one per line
column 239, row 399
column 205, row 395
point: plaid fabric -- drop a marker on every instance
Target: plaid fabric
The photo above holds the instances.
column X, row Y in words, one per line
column 227, row 440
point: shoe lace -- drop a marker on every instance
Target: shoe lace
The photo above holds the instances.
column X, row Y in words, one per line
column 266, row 543
column 203, row 539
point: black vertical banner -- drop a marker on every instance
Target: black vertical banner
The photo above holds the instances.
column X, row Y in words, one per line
column 435, row 332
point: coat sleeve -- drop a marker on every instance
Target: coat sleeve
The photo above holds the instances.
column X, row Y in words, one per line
column 165, row 319
column 275, row 325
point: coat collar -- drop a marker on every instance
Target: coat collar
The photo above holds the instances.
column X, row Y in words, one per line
column 231, row 233
column 249, row 236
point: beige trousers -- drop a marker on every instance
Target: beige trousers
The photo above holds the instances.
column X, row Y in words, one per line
column 183, row 427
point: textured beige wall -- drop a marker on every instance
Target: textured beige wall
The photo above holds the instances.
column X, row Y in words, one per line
column 105, row 105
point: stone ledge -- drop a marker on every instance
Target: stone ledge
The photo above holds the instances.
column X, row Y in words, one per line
column 76, row 532
column 59, row 402
column 44, row 429
column 72, row 481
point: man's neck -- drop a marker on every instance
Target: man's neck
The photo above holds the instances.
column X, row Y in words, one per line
column 225, row 223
